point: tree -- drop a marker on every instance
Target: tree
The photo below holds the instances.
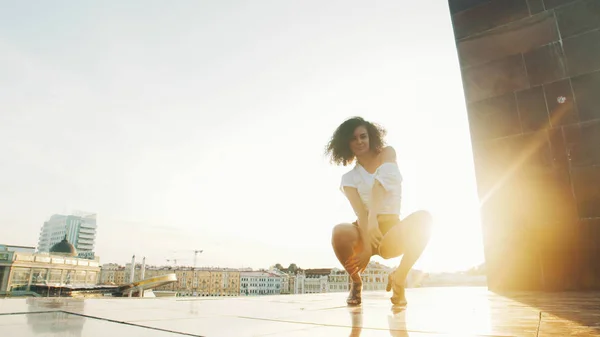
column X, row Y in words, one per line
column 278, row 266
column 292, row 269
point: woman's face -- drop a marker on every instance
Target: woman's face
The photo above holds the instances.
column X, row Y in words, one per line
column 359, row 144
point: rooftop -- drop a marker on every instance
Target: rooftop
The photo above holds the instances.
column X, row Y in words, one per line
column 63, row 247
column 431, row 312
column 259, row 273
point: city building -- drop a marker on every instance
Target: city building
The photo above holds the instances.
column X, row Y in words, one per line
column 256, row 283
column 312, row 281
column 205, row 282
column 20, row 249
column 339, row 281
column 375, row 276
column 190, row 281
column 226, row 282
column 299, row 283
column 315, row 284
column 21, row 268
column 79, row 230
column 112, row 273
column 246, row 282
column 292, row 284
column 286, row 280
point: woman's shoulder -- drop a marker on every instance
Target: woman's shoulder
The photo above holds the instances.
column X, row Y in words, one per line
column 388, row 154
column 349, row 178
column 350, row 173
column 389, row 163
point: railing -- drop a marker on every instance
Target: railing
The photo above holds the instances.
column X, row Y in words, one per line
column 19, row 293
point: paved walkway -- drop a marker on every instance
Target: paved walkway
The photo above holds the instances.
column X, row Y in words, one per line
column 431, row 312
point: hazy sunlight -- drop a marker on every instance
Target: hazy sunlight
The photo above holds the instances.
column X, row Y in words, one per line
column 202, row 125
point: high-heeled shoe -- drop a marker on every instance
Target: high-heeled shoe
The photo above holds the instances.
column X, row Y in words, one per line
column 355, row 296
column 398, row 296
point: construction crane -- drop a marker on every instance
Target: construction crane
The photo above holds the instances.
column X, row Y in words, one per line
column 196, row 252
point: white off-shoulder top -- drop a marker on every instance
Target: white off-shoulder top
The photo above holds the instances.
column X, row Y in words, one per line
column 388, row 174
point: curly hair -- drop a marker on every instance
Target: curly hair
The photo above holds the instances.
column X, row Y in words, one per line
column 338, row 147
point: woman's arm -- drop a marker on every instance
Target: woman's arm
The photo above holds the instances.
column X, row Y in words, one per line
column 359, row 259
column 388, row 155
column 360, row 211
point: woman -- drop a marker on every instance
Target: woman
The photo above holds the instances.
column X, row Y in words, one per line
column 374, row 189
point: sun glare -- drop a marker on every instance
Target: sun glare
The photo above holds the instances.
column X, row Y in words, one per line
column 435, row 157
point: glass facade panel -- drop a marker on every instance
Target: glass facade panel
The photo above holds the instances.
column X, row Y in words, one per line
column 20, row 276
column 55, row 276
column 79, row 276
column 91, row 277
column 3, row 271
column 39, row 276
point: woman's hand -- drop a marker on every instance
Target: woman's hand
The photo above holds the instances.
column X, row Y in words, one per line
column 358, row 260
column 374, row 231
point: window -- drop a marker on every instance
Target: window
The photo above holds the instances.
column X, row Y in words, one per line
column 80, row 276
column 39, row 276
column 20, row 275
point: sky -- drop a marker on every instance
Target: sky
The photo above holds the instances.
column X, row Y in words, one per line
column 201, row 125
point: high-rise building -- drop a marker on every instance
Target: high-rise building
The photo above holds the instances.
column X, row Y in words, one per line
column 80, row 230
column 22, row 269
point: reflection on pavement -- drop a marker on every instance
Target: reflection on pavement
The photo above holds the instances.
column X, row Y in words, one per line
column 58, row 323
column 396, row 322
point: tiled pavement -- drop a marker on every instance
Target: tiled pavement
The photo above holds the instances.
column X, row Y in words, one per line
column 431, row 312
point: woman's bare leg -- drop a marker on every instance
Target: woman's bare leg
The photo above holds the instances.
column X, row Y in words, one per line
column 346, row 240
column 408, row 238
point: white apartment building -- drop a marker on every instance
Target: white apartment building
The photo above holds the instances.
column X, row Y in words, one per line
column 285, row 281
column 80, row 231
column 256, row 283
column 315, row 284
column 292, row 284
column 299, row 283
column 339, row 281
column 374, row 277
